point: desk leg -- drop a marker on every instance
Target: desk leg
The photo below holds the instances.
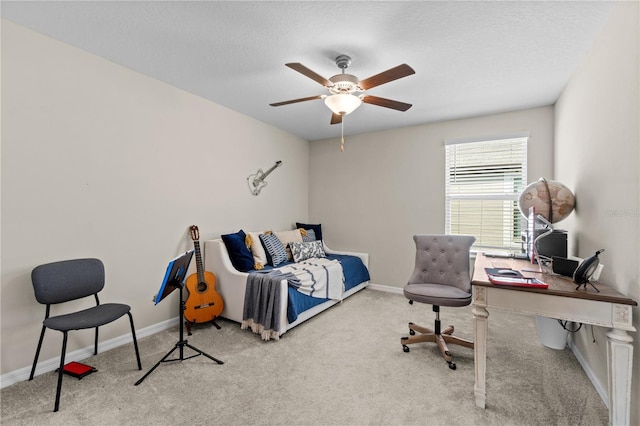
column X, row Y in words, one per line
column 619, row 363
column 480, row 329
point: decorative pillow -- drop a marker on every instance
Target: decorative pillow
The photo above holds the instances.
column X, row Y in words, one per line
column 287, row 237
column 239, row 254
column 316, row 228
column 309, row 235
column 257, row 250
column 306, row 250
column 274, row 248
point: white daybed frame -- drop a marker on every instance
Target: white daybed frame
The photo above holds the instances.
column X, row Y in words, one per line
column 231, row 284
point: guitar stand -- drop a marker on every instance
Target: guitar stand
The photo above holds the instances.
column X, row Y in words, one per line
column 179, row 345
column 188, row 324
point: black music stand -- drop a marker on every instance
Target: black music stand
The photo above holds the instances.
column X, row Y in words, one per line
column 174, row 278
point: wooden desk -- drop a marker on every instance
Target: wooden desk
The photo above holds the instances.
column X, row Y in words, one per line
column 561, row 300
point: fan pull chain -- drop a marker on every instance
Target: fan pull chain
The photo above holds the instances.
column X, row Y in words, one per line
column 342, row 135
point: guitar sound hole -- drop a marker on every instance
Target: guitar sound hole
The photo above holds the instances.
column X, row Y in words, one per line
column 201, row 287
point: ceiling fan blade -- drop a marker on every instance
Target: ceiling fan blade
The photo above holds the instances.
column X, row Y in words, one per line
column 336, row 118
column 311, row 74
column 293, row 101
column 386, row 76
column 387, row 103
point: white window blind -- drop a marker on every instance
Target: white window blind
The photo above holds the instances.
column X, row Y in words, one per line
column 483, row 182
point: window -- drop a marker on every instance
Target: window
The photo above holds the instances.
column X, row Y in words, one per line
column 484, row 179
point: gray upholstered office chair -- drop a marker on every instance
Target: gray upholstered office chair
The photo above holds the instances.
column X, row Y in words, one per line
column 441, row 278
column 68, row 280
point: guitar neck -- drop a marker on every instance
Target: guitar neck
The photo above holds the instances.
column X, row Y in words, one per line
column 199, row 267
column 275, row 166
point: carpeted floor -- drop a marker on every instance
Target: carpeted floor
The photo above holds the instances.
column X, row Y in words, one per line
column 343, row 367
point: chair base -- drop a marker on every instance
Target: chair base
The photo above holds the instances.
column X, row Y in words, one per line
column 442, row 339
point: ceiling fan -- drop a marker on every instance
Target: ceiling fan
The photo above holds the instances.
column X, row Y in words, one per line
column 346, row 92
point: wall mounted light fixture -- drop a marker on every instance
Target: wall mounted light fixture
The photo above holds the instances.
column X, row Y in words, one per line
column 256, row 181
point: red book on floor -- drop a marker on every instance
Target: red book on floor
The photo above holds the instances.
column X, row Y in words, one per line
column 77, row 369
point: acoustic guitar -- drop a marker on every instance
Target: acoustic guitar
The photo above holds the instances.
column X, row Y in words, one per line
column 203, row 303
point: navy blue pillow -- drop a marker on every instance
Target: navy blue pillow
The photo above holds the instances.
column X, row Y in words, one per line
column 239, row 254
column 316, row 228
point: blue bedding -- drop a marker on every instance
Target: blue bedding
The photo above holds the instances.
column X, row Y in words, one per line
column 354, row 273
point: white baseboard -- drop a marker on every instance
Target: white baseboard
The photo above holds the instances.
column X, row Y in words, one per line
column 385, row 288
column 22, row 374
column 597, row 384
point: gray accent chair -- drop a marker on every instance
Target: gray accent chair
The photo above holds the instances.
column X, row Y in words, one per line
column 67, row 280
column 441, row 278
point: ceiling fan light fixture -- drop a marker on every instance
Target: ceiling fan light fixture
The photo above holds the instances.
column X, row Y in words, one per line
column 344, row 83
column 342, row 103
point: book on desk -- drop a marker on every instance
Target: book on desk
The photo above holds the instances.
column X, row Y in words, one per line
column 511, row 277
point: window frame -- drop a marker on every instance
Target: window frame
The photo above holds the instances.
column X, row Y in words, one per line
column 513, row 177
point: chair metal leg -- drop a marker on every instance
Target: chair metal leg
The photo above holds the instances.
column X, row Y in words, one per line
column 135, row 341
column 61, row 371
column 95, row 345
column 35, row 360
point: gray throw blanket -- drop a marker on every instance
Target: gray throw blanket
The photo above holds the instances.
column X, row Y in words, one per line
column 262, row 303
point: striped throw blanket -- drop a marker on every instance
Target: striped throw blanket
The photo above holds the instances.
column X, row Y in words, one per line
column 317, row 277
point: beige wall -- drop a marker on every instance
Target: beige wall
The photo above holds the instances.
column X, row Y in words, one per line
column 101, row 161
column 597, row 154
column 98, row 160
column 387, row 186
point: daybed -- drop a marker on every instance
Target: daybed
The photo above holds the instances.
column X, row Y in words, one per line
column 295, row 307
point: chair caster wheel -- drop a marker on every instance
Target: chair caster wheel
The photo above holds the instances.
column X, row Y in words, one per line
column 405, row 348
column 412, row 332
column 452, row 365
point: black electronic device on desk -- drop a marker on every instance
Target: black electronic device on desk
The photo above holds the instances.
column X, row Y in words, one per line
column 563, row 266
column 540, row 239
column 586, row 269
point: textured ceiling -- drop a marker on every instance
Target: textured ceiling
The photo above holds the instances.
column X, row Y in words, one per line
column 471, row 58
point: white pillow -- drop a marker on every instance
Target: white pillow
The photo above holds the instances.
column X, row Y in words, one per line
column 257, row 250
